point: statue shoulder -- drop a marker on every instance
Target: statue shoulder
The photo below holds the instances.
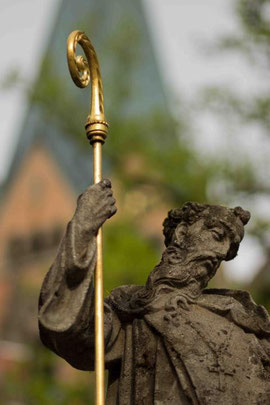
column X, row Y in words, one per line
column 120, row 298
column 240, row 306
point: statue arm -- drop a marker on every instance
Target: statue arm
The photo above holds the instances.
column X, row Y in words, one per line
column 66, row 307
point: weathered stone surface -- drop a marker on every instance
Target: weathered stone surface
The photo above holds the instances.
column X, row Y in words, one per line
column 171, row 341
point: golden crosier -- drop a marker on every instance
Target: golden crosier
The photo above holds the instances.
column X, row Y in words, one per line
column 82, row 71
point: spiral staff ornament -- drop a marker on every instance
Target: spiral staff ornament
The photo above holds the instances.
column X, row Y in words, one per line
column 82, row 72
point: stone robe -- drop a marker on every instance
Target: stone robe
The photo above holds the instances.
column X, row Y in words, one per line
column 215, row 350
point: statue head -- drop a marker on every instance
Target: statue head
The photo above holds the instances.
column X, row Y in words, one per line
column 197, row 238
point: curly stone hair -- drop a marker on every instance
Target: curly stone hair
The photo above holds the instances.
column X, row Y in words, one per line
column 192, row 212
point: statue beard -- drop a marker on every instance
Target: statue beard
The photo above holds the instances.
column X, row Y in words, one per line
column 179, row 267
column 179, row 270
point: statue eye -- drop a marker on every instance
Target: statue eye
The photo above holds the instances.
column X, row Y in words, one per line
column 217, row 233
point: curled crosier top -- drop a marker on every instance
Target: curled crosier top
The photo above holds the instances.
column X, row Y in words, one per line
column 82, row 71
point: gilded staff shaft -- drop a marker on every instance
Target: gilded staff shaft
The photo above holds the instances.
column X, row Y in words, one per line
column 99, row 313
column 82, row 71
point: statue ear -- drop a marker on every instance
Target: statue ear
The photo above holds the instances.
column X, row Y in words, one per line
column 181, row 235
column 242, row 214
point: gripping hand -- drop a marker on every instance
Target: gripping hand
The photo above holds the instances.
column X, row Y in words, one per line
column 94, row 206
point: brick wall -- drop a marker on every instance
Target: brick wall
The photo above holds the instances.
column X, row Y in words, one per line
column 37, row 205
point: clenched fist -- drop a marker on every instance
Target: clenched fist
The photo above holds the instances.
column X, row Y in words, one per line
column 94, row 206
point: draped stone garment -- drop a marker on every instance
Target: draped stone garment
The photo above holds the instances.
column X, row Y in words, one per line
column 215, row 350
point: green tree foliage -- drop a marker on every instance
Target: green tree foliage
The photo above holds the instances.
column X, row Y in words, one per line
column 249, row 110
column 35, row 382
column 252, row 43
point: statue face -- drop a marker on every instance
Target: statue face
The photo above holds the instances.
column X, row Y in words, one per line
column 207, row 242
column 200, row 241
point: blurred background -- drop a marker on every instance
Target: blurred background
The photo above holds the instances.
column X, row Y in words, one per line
column 187, row 97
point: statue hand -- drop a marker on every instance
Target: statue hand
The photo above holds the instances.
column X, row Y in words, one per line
column 95, row 205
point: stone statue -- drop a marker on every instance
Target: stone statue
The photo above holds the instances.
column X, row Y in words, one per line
column 171, row 341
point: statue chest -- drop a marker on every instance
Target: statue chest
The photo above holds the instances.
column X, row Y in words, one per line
column 220, row 359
